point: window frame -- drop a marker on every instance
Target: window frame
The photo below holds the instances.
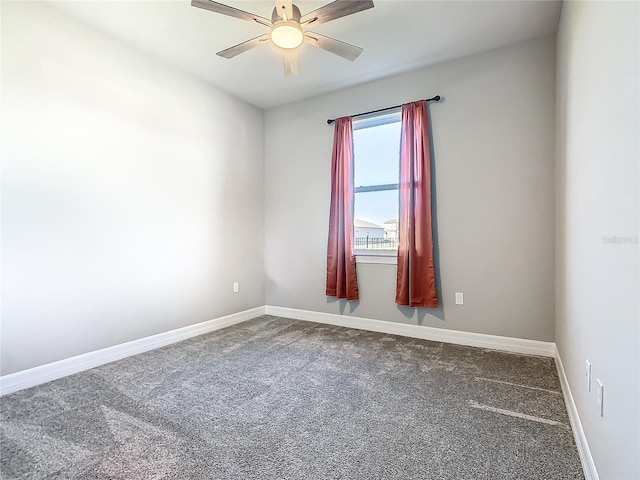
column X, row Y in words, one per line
column 377, row 256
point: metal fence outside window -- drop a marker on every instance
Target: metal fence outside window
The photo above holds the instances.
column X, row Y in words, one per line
column 375, row 243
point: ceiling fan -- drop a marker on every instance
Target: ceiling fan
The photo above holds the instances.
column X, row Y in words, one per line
column 289, row 29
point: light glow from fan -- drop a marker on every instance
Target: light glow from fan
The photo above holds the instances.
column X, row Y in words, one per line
column 287, row 35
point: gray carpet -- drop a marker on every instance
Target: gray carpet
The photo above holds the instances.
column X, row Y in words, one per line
column 274, row 398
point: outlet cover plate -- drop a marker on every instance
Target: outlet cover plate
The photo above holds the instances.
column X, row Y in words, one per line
column 600, row 392
column 459, row 298
column 587, row 374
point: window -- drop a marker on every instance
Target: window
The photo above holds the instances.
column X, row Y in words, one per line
column 376, row 149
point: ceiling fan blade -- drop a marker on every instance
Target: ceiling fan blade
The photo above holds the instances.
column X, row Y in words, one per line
column 230, row 11
column 342, row 49
column 285, row 5
column 337, row 9
column 291, row 65
column 243, row 47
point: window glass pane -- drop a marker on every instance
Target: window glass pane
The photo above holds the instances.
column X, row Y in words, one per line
column 375, row 219
column 376, row 152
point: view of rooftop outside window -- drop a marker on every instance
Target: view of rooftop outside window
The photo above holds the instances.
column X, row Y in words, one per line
column 376, row 177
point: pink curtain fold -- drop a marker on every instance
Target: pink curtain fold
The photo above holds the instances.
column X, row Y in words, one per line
column 341, row 261
column 416, row 280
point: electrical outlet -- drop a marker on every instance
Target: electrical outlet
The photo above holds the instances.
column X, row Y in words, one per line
column 459, row 298
column 600, row 392
column 236, row 287
column 587, row 374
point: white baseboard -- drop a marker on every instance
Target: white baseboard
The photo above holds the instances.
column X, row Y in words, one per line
column 507, row 344
column 588, row 465
column 68, row 366
column 52, row 371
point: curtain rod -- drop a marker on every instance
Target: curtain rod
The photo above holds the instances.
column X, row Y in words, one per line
column 432, row 99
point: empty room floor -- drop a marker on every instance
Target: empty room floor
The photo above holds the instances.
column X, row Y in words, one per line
column 275, row 398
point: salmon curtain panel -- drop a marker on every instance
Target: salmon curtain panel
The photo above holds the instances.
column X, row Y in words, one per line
column 341, row 261
column 416, row 280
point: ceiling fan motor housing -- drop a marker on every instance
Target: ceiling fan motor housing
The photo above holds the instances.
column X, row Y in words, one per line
column 295, row 11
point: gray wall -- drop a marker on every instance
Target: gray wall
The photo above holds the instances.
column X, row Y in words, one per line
column 132, row 194
column 597, row 195
column 494, row 154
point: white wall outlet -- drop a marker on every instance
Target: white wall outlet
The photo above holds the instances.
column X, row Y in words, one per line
column 600, row 392
column 236, row 287
column 587, row 374
column 459, row 298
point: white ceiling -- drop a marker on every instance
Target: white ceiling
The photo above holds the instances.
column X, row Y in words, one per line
column 397, row 36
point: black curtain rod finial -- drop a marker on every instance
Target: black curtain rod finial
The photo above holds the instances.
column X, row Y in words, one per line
column 432, row 99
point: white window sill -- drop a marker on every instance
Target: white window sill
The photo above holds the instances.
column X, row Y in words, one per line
column 385, row 257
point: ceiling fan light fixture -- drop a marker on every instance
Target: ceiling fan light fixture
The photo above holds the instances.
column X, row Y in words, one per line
column 287, row 35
